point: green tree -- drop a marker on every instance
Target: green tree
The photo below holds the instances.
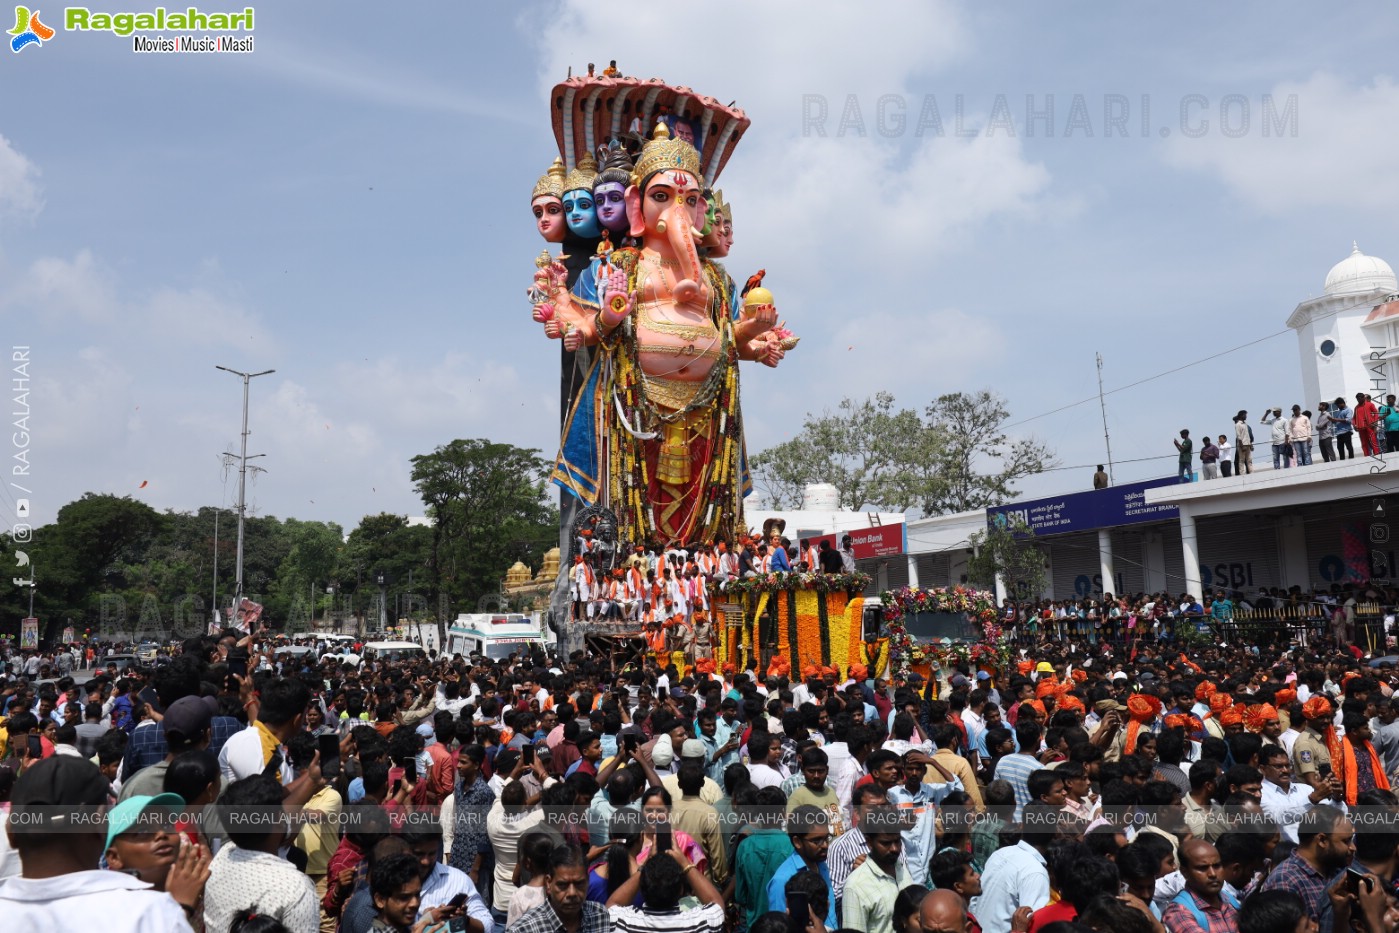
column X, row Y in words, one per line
column 871, row 453
column 388, row 543
column 1008, row 549
column 489, row 508
column 878, row 456
column 971, row 427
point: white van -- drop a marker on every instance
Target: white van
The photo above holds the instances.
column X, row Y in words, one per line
column 493, row 635
column 392, row 651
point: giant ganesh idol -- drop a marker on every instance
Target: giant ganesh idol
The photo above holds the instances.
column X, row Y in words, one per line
column 654, row 432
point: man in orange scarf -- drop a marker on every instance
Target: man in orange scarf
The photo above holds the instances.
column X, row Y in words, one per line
column 1362, row 770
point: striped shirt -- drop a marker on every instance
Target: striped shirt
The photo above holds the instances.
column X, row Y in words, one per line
column 1017, row 769
column 706, row 919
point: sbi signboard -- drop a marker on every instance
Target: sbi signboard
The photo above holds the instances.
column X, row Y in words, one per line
column 1087, row 511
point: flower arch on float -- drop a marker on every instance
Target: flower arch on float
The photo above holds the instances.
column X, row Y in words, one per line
column 978, row 605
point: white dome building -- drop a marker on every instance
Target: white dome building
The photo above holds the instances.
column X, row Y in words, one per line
column 1359, row 274
column 1345, row 336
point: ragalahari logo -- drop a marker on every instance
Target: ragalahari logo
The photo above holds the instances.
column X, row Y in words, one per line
column 28, row 30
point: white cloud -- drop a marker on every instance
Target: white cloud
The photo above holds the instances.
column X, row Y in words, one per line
column 56, row 287
column 451, row 396
column 20, row 194
column 765, row 54
column 1340, row 155
column 198, row 318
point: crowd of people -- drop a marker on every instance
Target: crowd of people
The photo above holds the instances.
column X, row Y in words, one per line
column 1168, row 618
column 1076, row 787
column 1332, row 428
column 650, row 586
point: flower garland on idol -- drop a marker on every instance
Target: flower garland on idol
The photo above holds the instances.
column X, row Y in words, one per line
column 979, row 605
column 794, row 581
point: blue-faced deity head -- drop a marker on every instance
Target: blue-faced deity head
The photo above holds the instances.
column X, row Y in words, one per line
column 578, row 206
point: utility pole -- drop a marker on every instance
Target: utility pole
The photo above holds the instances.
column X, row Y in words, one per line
column 242, row 477
column 215, row 600
column 1103, row 406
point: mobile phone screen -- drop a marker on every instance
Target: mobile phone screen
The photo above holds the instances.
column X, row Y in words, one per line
column 410, row 771
column 238, row 665
column 527, row 755
column 36, row 748
column 798, row 913
column 329, row 746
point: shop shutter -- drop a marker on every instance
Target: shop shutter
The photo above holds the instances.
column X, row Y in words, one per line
column 1127, row 561
column 934, row 570
column 1073, row 558
column 1238, row 553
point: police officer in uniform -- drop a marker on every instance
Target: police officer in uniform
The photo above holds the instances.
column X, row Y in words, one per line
column 1311, row 759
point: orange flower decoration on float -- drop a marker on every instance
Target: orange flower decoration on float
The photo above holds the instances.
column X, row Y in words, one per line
column 1285, row 697
column 1141, row 709
column 1204, row 690
column 1232, row 716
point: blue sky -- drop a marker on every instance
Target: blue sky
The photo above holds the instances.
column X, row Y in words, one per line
column 349, row 205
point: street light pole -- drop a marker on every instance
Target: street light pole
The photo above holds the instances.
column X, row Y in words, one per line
column 242, row 477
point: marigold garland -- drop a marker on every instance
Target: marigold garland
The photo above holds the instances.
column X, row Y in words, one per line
column 839, row 615
column 808, row 627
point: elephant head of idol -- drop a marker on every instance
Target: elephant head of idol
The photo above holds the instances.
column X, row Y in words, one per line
column 666, row 207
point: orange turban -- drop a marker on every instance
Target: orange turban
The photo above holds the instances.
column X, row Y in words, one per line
column 1231, row 717
column 829, row 670
column 1079, row 676
column 1219, row 702
column 1257, row 715
column 778, row 666
column 730, row 667
column 1317, row 708
column 1142, row 709
column 1203, row 691
column 1178, row 721
column 1285, row 696
column 1037, row 706
column 705, row 665
column 1025, row 667
column 1045, row 688
column 810, row 671
column 1347, row 677
column 1069, row 701
column 1190, row 664
column 859, row 672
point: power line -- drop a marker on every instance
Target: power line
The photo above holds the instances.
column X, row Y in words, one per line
column 1171, row 372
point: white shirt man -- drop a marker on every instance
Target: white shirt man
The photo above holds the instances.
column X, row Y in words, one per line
column 1015, row 876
